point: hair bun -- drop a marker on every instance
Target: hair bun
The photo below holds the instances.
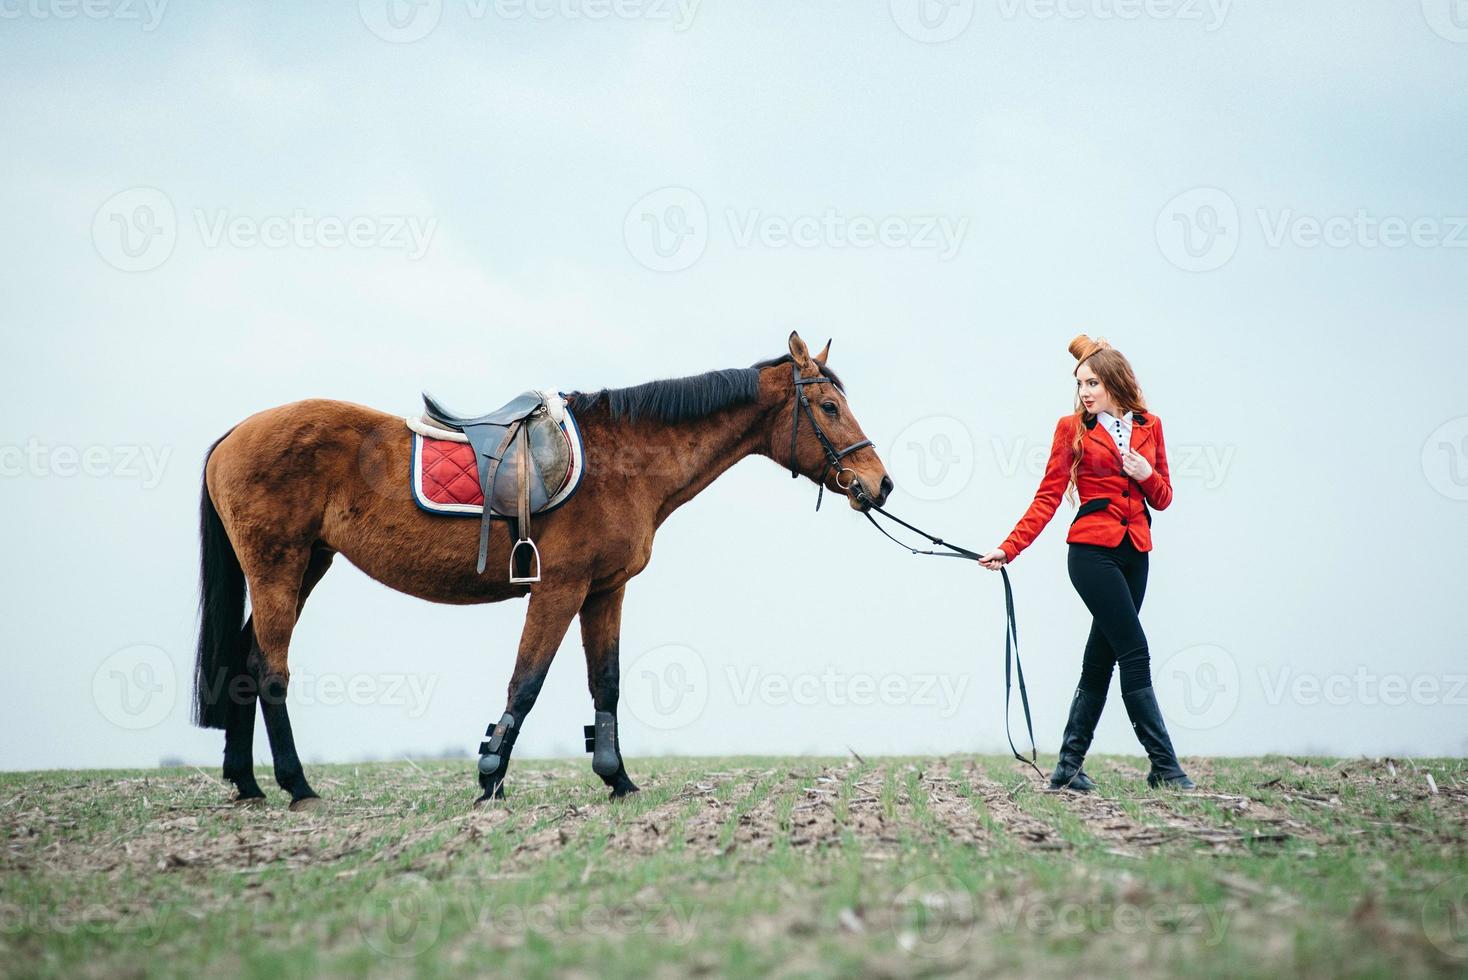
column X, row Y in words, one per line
column 1083, row 346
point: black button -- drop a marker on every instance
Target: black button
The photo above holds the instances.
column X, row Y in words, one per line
column 1126, row 493
column 1123, row 522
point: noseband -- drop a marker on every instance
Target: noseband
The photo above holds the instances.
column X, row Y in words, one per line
column 833, row 455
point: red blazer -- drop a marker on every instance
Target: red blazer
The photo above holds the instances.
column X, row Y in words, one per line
column 1112, row 504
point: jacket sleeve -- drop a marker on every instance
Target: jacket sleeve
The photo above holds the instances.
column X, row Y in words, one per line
column 1047, row 498
column 1158, row 486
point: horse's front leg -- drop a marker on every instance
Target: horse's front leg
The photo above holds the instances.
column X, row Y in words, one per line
column 601, row 631
column 551, row 610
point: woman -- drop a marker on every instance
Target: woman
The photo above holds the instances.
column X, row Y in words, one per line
column 1110, row 451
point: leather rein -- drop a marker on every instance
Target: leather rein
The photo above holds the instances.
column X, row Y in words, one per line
column 833, row 460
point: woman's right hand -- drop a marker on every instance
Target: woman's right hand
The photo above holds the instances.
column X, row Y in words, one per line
column 994, row 560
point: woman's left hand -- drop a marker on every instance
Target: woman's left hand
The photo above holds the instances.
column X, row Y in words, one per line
column 1135, row 465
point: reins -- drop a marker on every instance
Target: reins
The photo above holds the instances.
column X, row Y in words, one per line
column 1011, row 631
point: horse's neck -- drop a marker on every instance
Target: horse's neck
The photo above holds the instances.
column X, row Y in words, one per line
column 678, row 460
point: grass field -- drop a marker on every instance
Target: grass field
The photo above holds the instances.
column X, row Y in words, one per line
column 799, row 867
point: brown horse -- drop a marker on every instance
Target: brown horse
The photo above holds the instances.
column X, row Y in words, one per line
column 288, row 489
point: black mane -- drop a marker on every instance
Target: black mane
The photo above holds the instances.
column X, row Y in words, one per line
column 682, row 399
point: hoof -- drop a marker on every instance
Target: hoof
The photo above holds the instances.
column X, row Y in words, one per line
column 622, row 792
column 488, row 797
column 249, row 802
column 307, row 804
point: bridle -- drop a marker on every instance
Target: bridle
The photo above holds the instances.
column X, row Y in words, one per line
column 855, row 486
column 833, row 455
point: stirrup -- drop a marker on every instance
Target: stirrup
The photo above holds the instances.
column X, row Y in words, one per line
column 534, row 567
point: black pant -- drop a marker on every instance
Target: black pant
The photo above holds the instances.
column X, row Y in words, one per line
column 1111, row 582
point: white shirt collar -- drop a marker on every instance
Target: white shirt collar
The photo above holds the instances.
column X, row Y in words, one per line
column 1108, row 419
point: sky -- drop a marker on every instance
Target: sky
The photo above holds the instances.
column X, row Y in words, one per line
column 215, row 209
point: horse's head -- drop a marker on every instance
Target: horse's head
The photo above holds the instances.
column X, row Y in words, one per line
column 829, row 445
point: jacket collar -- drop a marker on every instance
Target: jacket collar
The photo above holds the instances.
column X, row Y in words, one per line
column 1138, row 418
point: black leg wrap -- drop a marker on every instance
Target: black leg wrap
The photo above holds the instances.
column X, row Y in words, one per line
column 601, row 742
column 605, row 746
column 494, row 755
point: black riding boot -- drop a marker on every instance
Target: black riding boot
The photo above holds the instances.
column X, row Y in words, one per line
column 1146, row 716
column 1085, row 711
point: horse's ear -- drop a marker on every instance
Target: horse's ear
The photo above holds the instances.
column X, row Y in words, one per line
column 825, row 353
column 799, row 353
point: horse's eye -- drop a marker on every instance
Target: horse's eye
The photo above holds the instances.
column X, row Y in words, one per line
column 829, row 408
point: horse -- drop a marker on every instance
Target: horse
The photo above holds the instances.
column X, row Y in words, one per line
column 289, row 488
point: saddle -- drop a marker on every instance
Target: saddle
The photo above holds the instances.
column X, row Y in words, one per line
column 525, row 460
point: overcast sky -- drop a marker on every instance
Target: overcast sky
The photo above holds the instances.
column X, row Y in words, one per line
column 1263, row 205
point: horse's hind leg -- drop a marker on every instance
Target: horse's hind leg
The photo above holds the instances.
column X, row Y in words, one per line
column 243, row 694
column 601, row 632
column 550, row 614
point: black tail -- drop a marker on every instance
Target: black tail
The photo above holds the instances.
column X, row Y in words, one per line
column 222, row 650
